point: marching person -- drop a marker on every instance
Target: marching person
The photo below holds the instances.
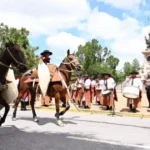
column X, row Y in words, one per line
column 93, row 83
column 87, row 87
column 135, row 81
column 110, row 84
column 73, row 90
column 45, row 56
column 147, row 87
column 24, row 100
column 80, row 90
column 99, row 89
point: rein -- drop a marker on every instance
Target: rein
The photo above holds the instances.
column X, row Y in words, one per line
column 18, row 63
column 68, row 63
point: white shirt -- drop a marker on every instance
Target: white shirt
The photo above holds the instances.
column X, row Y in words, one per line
column 110, row 83
column 101, row 85
column 93, row 83
column 87, row 83
column 80, row 82
column 136, row 82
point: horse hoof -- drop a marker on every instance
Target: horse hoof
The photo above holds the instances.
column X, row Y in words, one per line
column 35, row 119
column 60, row 123
column 14, row 119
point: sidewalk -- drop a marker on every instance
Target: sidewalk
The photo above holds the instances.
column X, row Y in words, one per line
column 121, row 107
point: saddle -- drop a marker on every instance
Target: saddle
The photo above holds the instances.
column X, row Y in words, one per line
column 54, row 75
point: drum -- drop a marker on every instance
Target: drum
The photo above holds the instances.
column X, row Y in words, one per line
column 131, row 92
column 106, row 93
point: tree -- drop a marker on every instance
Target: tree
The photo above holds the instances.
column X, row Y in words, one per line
column 135, row 65
column 20, row 37
column 127, row 68
column 95, row 59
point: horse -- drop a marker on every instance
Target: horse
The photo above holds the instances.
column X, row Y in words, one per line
column 57, row 89
column 11, row 55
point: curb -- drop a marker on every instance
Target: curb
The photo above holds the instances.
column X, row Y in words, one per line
column 127, row 114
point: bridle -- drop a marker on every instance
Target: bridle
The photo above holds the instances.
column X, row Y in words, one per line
column 69, row 63
column 16, row 61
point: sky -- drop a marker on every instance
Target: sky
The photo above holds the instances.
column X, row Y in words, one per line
column 59, row 25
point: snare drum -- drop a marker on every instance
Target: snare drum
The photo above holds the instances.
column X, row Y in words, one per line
column 106, row 93
column 131, row 92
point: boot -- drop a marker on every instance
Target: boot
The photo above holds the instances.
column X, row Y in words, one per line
column 23, row 105
column 134, row 110
column 131, row 107
column 110, row 108
column 83, row 104
column 107, row 108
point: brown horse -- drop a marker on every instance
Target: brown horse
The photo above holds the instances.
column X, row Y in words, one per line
column 57, row 89
column 11, row 55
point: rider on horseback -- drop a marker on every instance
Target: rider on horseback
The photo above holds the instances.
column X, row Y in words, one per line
column 45, row 56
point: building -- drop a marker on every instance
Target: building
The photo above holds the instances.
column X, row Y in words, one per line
column 145, row 68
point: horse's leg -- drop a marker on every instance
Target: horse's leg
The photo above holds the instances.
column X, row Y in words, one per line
column 16, row 105
column 7, row 107
column 32, row 102
column 57, row 98
column 66, row 100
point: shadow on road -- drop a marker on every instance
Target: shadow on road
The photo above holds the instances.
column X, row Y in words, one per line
column 44, row 121
column 15, row 139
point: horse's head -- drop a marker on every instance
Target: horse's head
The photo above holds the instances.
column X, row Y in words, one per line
column 16, row 56
column 72, row 61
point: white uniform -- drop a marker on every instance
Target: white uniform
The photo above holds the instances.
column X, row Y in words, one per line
column 136, row 82
column 93, row 83
column 87, row 84
column 80, row 82
column 110, row 83
column 101, row 85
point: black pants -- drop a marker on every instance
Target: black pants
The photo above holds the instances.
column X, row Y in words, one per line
column 148, row 96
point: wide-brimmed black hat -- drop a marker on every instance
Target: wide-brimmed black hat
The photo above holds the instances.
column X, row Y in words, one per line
column 104, row 74
column 46, row 52
column 134, row 72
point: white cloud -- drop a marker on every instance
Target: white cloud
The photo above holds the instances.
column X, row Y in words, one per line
column 61, row 42
column 132, row 5
column 126, row 36
column 43, row 16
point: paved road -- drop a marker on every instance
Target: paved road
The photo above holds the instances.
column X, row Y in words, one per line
column 80, row 132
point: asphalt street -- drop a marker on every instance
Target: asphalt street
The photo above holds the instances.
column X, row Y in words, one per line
column 81, row 131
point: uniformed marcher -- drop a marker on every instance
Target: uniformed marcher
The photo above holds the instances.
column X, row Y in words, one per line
column 109, row 87
column 147, row 87
column 135, row 81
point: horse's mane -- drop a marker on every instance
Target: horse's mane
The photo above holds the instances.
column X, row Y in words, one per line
column 2, row 54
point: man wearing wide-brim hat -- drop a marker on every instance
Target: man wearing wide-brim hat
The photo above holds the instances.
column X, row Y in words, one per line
column 45, row 56
column 93, row 84
column 99, row 89
column 110, row 84
column 134, row 80
column 87, row 89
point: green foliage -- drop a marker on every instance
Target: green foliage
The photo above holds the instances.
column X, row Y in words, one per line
column 128, row 67
column 96, row 60
column 136, row 65
column 20, row 37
